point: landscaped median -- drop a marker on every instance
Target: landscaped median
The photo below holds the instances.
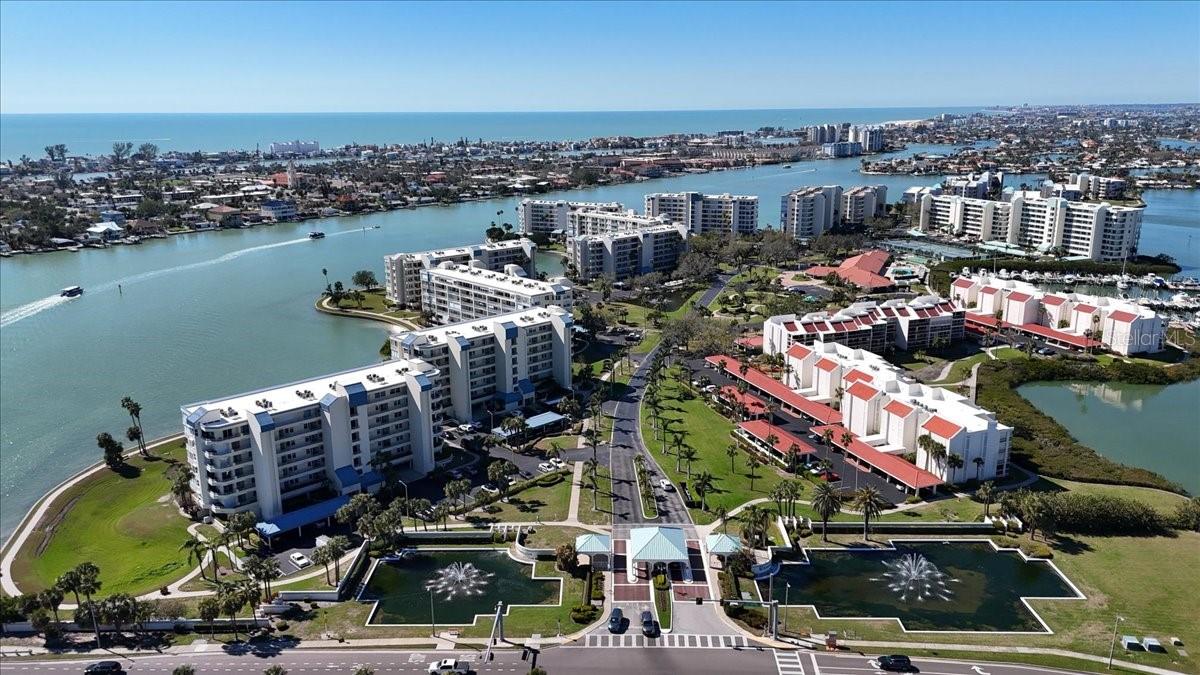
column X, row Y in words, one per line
column 124, row 521
column 663, row 601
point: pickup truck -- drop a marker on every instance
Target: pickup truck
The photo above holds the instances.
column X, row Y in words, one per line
column 450, row 666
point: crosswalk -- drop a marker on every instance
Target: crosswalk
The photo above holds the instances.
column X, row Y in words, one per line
column 667, row 640
column 788, row 663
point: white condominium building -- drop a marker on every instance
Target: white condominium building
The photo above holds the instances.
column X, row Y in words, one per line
column 1067, row 319
column 497, row 363
column 808, row 211
column 1096, row 231
column 863, row 202
column 550, row 217
column 627, row 254
column 910, row 325
column 871, row 137
column 585, row 222
column 889, row 411
column 704, row 214
column 453, row 293
column 402, row 271
column 266, row 451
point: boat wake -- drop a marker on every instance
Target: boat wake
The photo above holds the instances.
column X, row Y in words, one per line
column 38, row 306
column 30, row 309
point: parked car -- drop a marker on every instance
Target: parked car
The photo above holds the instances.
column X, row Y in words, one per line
column 616, row 621
column 450, row 666
column 466, row 428
column 558, row 463
column 649, row 627
column 299, row 560
column 525, row 474
column 830, row 476
column 546, row 467
column 104, row 667
column 666, row 485
column 490, row 488
column 895, row 662
column 456, row 474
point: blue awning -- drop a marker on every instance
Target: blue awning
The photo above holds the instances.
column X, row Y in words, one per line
column 371, row 477
column 306, row 516
column 347, row 476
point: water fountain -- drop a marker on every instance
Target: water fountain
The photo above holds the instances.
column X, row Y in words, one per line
column 458, row 578
column 913, row 575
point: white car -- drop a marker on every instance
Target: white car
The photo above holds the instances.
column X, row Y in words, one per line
column 546, row 467
column 450, row 666
column 666, row 485
column 299, row 560
column 558, row 463
column 466, row 428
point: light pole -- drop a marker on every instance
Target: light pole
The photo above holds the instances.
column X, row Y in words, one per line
column 786, row 589
column 1112, row 647
column 432, row 623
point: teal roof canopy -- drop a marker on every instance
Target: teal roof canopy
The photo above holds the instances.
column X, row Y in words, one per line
column 658, row 544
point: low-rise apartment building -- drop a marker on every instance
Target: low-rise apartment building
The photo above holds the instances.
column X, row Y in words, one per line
column 628, row 254
column 1096, row 231
column 402, row 271
column 451, row 293
column 1071, row 320
column 888, row 411
column 920, row 323
column 706, row 214
column 551, row 217
column 497, row 363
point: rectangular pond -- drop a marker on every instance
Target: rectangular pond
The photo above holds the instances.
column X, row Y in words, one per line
column 925, row 585
column 462, row 582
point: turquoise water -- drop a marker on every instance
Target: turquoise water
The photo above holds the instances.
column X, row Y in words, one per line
column 95, row 134
column 1151, row 426
column 403, row 595
column 972, row 588
column 206, row 315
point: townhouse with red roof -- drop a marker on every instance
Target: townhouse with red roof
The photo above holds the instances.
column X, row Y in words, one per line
column 905, row 324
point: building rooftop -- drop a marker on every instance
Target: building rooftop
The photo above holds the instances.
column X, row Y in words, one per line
column 499, row 280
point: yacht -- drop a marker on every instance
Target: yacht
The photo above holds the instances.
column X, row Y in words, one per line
column 71, row 292
column 316, row 234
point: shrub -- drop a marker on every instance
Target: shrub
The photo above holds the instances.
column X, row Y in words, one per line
column 282, row 626
column 661, row 583
column 584, row 614
column 598, row 587
column 912, row 499
column 1031, row 549
column 1187, row 515
column 1103, row 514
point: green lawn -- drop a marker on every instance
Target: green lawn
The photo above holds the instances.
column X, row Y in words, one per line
column 543, row 619
column 1144, row 579
column 225, row 573
column 600, row 511
column 961, row 369
column 567, row 442
column 707, row 432
column 125, row 523
column 552, row 537
column 533, row 503
column 1158, row 499
column 376, row 301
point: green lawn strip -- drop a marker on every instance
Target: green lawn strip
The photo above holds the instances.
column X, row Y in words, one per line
column 533, row 503
column 317, row 583
column 649, row 505
column 225, row 573
column 552, row 537
column 647, row 345
column 598, row 512
column 961, row 369
column 346, row 620
column 546, row 620
column 1146, row 580
column 662, row 604
column 685, row 306
column 708, row 433
column 126, row 523
column 376, row 301
column 566, row 442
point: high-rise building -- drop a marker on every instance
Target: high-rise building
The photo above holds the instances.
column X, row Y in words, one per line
column 705, row 214
column 863, row 202
column 550, row 217
column 870, row 137
column 279, row 148
column 808, row 211
column 842, row 149
column 451, row 293
column 402, row 278
column 587, row 221
column 626, row 254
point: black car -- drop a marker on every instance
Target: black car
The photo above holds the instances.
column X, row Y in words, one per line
column 104, row 667
column 649, row 627
column 897, row 662
column 616, row 620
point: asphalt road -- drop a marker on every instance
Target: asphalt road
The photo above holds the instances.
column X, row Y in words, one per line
column 575, row 660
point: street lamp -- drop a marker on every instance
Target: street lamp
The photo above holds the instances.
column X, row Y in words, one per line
column 786, row 589
column 1113, row 645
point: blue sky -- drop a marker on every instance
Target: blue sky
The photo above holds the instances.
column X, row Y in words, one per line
column 318, row 57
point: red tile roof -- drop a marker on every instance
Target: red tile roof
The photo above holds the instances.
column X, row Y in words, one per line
column 1123, row 317
column 798, row 351
column 863, row 391
column 856, row 375
column 776, row 390
column 975, row 320
column 754, row 405
column 893, row 465
column 827, row 365
column 941, row 427
column 1053, row 300
column 862, row 270
column 988, row 290
column 898, row 409
column 1086, row 309
column 760, row 429
column 1020, row 297
column 963, row 282
column 750, row 341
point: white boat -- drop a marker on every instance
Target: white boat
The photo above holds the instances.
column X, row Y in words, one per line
column 1122, row 284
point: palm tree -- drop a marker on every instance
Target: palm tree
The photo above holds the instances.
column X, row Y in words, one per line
column 50, row 599
column 703, row 485
column 589, row 470
column 934, row 451
column 978, row 462
column 231, row 600
column 722, row 517
column 688, row 455
column 68, row 582
column 985, row 493
column 955, row 462
column 88, row 582
column 135, row 415
column 756, row 524
column 184, row 670
column 320, row 556
column 338, row 546
column 772, row 439
column 275, row 670
column 731, row 451
column 827, row 437
column 752, row 463
column 827, row 502
column 209, row 609
column 870, row 503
